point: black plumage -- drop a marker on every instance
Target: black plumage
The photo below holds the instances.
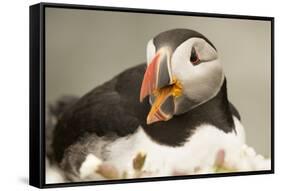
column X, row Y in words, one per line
column 175, row 37
column 114, row 109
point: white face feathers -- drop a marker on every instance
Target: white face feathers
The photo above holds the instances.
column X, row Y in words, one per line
column 201, row 74
column 195, row 64
column 150, row 51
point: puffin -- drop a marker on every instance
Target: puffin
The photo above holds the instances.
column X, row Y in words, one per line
column 172, row 111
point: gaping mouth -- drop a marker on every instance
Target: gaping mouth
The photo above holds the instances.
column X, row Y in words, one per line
column 159, row 84
column 163, row 106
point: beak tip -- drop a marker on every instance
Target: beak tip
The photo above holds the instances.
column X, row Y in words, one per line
column 151, row 120
column 143, row 94
column 141, row 98
column 148, row 122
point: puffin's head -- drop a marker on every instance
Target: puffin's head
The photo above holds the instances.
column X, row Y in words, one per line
column 183, row 72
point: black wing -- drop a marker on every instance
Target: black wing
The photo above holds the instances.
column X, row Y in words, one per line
column 53, row 112
column 106, row 110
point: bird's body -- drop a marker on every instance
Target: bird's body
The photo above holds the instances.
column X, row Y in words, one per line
column 111, row 124
column 89, row 127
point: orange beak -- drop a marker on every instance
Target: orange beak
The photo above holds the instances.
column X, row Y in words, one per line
column 149, row 79
column 158, row 82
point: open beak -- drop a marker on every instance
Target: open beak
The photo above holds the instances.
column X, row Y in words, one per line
column 159, row 84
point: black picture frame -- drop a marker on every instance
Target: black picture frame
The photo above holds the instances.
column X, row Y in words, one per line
column 37, row 93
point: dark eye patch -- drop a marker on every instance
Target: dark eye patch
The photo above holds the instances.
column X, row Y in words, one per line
column 194, row 58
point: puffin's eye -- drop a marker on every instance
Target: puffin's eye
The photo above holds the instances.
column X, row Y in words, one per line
column 194, row 59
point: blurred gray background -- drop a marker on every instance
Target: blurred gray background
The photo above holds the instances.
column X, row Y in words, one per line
column 85, row 48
